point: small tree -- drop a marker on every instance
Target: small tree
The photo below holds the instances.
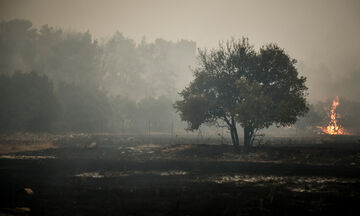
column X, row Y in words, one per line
column 235, row 84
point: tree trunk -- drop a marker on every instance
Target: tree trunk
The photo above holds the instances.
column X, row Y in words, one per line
column 248, row 136
column 236, row 137
column 233, row 131
column 232, row 136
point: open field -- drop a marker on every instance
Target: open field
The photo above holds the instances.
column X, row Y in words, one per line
column 126, row 175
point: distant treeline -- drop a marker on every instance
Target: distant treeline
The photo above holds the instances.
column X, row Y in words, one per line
column 29, row 102
column 53, row 80
column 56, row 80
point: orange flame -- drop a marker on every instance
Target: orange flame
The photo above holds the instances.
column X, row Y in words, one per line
column 333, row 128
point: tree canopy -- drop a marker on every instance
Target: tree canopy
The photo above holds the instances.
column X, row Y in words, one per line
column 236, row 84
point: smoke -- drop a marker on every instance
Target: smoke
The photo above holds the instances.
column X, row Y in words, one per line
column 325, row 83
column 323, row 35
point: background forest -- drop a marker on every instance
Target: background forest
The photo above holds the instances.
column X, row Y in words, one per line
column 55, row 80
column 52, row 80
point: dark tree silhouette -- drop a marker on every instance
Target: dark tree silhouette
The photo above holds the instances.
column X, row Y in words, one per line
column 28, row 103
column 235, row 84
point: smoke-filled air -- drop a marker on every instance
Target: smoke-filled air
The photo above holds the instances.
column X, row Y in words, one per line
column 166, row 107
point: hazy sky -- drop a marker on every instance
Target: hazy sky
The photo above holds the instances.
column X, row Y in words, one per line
column 322, row 34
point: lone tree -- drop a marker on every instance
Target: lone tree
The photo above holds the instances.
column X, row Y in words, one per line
column 236, row 84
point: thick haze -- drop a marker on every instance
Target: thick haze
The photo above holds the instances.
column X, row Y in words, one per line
column 322, row 35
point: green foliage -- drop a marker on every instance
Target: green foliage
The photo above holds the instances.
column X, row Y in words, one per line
column 234, row 83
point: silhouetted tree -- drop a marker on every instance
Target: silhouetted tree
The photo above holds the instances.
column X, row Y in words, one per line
column 235, row 84
column 28, row 103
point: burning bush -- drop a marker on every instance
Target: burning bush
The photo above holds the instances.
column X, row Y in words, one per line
column 337, row 116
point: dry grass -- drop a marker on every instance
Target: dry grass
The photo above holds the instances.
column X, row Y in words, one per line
column 22, row 142
column 11, row 148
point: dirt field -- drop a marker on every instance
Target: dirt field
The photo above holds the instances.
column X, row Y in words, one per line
column 125, row 175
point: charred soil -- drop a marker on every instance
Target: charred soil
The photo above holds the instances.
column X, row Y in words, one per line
column 117, row 175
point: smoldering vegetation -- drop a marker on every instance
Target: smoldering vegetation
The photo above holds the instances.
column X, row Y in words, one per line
column 347, row 114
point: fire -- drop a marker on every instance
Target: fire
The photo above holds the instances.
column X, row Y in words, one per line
column 333, row 128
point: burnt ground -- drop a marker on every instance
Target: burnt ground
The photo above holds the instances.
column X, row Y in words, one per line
column 123, row 175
